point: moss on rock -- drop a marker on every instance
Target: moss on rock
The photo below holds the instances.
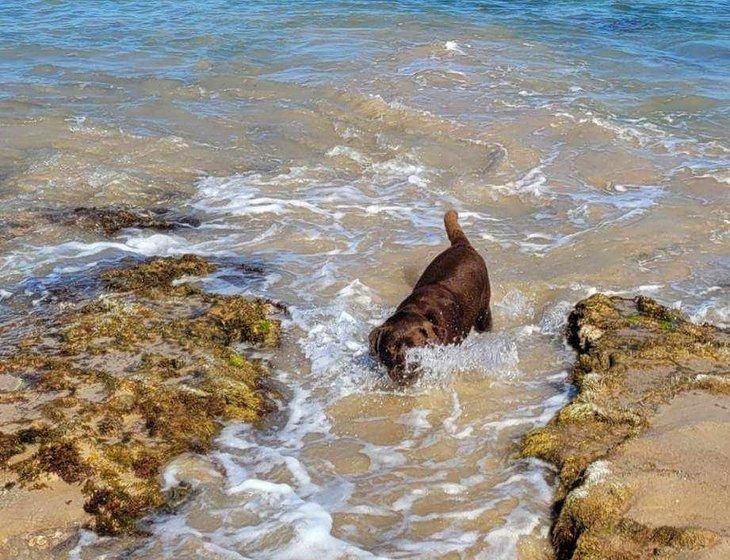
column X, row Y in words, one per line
column 157, row 273
column 110, row 219
column 114, row 388
column 633, row 356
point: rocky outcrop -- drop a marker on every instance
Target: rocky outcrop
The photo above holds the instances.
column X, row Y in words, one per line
column 642, row 449
column 111, row 219
column 100, row 396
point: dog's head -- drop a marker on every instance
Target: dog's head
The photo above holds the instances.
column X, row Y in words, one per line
column 391, row 342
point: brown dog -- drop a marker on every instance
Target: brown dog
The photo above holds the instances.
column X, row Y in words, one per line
column 450, row 298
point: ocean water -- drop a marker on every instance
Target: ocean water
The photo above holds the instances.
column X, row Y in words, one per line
column 585, row 145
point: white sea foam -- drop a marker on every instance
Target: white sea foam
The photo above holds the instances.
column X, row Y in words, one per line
column 86, row 539
column 515, row 304
column 486, row 354
column 453, row 46
column 351, row 153
column 626, row 197
column 532, row 415
column 626, row 204
column 504, row 540
column 554, row 317
column 534, row 182
column 722, row 176
column 714, row 310
column 237, row 195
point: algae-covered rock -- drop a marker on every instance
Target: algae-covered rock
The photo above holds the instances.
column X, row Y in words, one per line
column 633, row 356
column 112, row 389
column 109, row 220
column 157, row 273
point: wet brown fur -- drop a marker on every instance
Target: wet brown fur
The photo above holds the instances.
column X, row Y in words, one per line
column 451, row 296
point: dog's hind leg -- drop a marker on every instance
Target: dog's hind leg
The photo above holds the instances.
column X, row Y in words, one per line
column 484, row 319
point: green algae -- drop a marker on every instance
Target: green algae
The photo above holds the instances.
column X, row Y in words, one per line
column 236, row 360
column 633, row 355
column 143, row 373
column 157, row 273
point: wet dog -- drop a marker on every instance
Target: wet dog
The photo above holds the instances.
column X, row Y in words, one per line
column 451, row 296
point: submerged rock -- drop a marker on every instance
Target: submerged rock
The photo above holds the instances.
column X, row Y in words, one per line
column 107, row 392
column 12, row 228
column 109, row 220
column 638, row 364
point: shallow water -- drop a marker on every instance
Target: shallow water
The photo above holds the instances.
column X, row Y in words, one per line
column 584, row 144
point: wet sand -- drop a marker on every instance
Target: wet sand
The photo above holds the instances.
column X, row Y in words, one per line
column 680, row 469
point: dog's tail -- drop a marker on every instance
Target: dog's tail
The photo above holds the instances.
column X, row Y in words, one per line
column 453, row 229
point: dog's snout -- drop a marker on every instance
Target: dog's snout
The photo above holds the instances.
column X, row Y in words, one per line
column 404, row 374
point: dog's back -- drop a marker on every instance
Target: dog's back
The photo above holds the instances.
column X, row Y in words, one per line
column 459, row 267
column 462, row 271
column 449, row 299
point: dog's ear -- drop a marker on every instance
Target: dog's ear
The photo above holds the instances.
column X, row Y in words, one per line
column 374, row 340
column 441, row 332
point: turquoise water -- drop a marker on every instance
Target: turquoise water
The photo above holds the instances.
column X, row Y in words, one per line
column 650, row 59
